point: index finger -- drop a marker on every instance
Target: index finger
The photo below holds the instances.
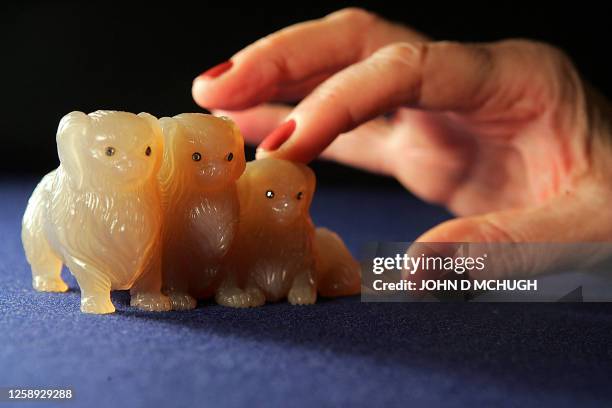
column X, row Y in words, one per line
column 296, row 54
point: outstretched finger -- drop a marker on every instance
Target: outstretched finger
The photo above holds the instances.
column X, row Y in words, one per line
column 439, row 76
column 302, row 52
column 365, row 147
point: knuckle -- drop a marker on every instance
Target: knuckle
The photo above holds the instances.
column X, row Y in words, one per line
column 330, row 95
column 532, row 46
column 492, row 230
column 270, row 42
column 403, row 54
column 360, row 23
column 537, row 51
column 334, row 96
column 355, row 15
column 550, row 66
column 480, row 54
column 555, row 54
column 452, row 46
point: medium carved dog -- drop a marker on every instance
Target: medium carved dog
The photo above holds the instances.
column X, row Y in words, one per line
column 203, row 158
column 99, row 212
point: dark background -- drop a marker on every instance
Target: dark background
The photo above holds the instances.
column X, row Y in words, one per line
column 62, row 57
column 140, row 57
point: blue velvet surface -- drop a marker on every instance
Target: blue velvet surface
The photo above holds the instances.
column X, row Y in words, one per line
column 337, row 353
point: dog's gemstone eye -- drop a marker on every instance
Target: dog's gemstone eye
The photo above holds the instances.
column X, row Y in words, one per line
column 230, row 156
column 110, row 151
column 148, row 151
column 196, row 156
column 299, row 195
column 270, row 194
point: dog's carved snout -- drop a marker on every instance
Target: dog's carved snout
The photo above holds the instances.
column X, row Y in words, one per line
column 214, row 168
column 125, row 163
column 285, row 204
column 285, row 208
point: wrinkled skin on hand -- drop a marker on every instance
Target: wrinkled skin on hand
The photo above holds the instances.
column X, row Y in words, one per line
column 504, row 134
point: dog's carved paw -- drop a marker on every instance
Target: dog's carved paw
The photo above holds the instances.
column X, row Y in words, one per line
column 45, row 284
column 236, row 297
column 182, row 301
column 152, row 302
column 258, row 298
column 97, row 305
column 302, row 295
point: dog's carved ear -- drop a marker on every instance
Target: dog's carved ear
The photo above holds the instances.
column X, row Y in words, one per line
column 71, row 137
column 244, row 186
column 159, row 135
column 311, row 182
column 153, row 122
column 239, row 155
column 169, row 128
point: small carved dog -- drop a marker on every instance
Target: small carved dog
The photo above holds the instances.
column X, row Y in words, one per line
column 99, row 212
column 203, row 159
column 277, row 252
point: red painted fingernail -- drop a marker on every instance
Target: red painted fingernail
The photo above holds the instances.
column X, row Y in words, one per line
column 217, row 69
column 278, row 136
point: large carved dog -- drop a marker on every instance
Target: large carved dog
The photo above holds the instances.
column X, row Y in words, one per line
column 99, row 212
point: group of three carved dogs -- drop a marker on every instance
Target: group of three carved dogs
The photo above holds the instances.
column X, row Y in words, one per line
column 170, row 210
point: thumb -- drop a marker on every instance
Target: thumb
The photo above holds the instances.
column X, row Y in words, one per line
column 532, row 241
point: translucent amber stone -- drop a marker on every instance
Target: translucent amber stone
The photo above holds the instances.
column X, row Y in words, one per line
column 277, row 252
column 203, row 159
column 99, row 212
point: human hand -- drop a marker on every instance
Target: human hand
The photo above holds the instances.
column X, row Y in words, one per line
column 506, row 135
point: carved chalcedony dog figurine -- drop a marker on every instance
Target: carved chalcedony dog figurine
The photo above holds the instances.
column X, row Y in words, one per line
column 275, row 252
column 99, row 212
column 203, row 159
